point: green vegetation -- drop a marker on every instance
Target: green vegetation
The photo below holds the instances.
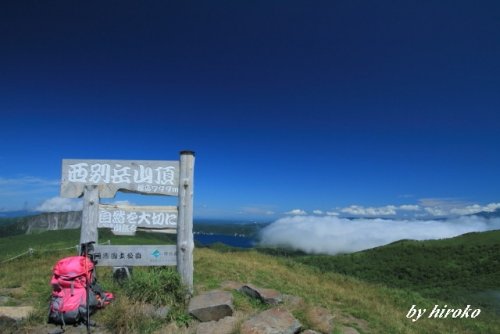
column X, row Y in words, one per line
column 13, row 226
column 60, row 239
column 465, row 269
column 370, row 305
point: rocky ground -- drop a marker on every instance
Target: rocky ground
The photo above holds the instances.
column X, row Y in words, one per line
column 215, row 314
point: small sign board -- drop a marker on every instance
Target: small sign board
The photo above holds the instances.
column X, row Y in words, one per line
column 125, row 219
column 135, row 255
column 139, row 176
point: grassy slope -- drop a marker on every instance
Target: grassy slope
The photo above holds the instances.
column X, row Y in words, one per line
column 383, row 308
column 458, row 269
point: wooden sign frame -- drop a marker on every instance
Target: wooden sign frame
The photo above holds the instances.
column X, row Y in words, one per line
column 95, row 179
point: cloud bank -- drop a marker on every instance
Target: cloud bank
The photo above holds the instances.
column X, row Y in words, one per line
column 427, row 207
column 333, row 235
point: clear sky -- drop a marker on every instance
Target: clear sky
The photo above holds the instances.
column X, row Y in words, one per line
column 370, row 108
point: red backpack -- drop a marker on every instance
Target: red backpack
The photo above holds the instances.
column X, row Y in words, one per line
column 71, row 277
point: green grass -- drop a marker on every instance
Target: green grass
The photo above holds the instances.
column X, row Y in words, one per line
column 49, row 241
column 461, row 270
column 383, row 308
column 372, row 307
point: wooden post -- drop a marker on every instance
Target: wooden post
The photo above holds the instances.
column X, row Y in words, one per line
column 185, row 243
column 90, row 214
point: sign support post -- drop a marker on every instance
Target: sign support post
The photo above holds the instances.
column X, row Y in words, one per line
column 97, row 179
column 185, row 243
column 90, row 214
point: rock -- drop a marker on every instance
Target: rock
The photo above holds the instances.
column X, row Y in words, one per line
column 268, row 296
column 293, row 302
column 223, row 326
column 7, row 325
column 321, row 319
column 273, row 321
column 310, row 331
column 15, row 313
column 349, row 330
column 70, row 329
column 162, row 312
column 173, row 328
column 213, row 305
column 4, row 300
column 349, row 319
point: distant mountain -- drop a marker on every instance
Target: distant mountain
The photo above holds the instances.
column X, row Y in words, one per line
column 40, row 222
column 484, row 214
column 70, row 220
column 18, row 213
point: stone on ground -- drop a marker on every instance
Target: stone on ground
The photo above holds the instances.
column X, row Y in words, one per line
column 225, row 325
column 273, row 321
column 211, row 306
column 293, row 302
column 15, row 313
column 349, row 330
column 321, row 319
column 268, row 296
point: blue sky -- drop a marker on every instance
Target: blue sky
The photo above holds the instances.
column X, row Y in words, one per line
column 387, row 108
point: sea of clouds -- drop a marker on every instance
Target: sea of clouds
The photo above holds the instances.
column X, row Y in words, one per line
column 333, row 235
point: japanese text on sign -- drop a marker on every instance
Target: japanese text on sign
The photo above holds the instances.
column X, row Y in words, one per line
column 135, row 255
column 116, row 173
column 143, row 176
column 126, row 219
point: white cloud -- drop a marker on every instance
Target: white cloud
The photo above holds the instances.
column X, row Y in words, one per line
column 444, row 207
column 59, row 204
column 318, row 212
column 17, row 193
column 409, row 207
column 296, row 212
column 475, row 208
column 334, row 235
column 436, row 211
column 332, row 213
column 358, row 210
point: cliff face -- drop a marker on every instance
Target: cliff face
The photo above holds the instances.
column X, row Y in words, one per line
column 53, row 221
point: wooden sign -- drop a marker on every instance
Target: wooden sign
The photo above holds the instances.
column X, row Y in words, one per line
column 135, row 255
column 124, row 219
column 95, row 179
column 141, row 176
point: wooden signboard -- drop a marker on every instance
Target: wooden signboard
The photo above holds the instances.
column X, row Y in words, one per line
column 135, row 255
column 95, row 179
column 141, row 176
column 124, row 219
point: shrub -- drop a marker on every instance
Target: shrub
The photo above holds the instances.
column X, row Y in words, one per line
column 156, row 285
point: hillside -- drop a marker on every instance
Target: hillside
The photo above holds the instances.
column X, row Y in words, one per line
column 40, row 222
column 369, row 307
column 464, row 269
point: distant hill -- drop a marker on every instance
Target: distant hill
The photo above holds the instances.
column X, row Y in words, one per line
column 48, row 221
column 17, row 213
column 465, row 269
column 493, row 214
